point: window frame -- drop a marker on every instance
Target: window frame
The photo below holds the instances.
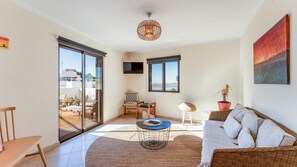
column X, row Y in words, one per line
column 163, row 61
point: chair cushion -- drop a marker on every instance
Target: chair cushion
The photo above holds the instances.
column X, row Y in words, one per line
column 144, row 105
column 130, row 104
column 271, row 135
column 245, row 139
column 214, row 137
column 238, row 112
column 232, row 127
column 251, row 121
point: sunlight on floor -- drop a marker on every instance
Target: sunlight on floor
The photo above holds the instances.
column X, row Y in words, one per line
column 72, row 152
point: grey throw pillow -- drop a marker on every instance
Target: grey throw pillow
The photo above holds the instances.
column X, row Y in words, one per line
column 232, row 127
column 238, row 112
column 251, row 121
column 245, row 139
column 271, row 135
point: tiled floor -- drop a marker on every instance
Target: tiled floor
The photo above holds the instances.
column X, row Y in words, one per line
column 72, row 152
column 71, row 122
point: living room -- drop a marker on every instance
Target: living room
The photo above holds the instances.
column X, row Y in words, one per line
column 215, row 41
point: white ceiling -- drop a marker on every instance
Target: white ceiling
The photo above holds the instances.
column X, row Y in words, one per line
column 114, row 22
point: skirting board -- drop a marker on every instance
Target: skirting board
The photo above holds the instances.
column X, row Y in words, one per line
column 51, row 147
column 159, row 116
column 112, row 119
column 178, row 119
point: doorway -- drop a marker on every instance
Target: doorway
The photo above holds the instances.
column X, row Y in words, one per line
column 80, row 91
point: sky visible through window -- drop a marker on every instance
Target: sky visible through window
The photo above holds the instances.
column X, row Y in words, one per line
column 171, row 76
column 157, row 77
column 70, row 59
column 171, row 72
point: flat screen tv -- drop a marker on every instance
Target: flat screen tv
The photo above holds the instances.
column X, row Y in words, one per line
column 133, row 67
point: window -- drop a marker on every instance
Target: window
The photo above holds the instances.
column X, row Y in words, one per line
column 164, row 74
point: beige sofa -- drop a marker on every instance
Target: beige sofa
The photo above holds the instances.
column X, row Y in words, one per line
column 219, row 150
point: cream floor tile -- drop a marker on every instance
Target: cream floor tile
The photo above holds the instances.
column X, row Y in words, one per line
column 64, row 148
column 77, row 158
column 81, row 146
column 57, row 160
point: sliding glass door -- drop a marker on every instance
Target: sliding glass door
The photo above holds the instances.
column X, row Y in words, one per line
column 80, row 91
column 93, row 90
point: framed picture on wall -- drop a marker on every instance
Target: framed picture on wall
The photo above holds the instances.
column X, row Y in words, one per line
column 4, row 42
column 271, row 55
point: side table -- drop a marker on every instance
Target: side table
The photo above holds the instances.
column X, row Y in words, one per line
column 153, row 137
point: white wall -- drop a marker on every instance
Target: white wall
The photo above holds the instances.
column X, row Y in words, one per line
column 276, row 101
column 204, row 70
column 29, row 72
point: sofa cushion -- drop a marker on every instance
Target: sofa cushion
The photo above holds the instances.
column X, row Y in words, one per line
column 245, row 139
column 251, row 121
column 214, row 137
column 232, row 127
column 271, row 135
column 238, row 112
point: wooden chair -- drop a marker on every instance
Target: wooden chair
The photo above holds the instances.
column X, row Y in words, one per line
column 16, row 148
column 131, row 103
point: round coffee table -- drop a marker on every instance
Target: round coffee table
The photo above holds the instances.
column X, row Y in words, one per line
column 153, row 133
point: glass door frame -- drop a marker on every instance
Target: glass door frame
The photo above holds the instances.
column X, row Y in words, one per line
column 100, row 121
column 85, row 53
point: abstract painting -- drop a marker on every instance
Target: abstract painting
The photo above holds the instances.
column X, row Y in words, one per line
column 4, row 42
column 271, row 55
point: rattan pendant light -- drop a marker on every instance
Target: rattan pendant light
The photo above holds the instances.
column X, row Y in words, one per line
column 149, row 30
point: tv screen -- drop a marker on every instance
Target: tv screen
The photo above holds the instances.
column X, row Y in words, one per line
column 133, row 67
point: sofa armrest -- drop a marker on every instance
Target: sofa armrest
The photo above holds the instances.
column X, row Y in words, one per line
column 219, row 115
column 252, row 157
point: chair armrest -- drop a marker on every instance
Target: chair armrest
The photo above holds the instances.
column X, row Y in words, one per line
column 140, row 102
column 152, row 104
column 252, row 157
column 219, row 115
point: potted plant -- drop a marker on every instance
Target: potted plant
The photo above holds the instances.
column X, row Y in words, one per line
column 224, row 104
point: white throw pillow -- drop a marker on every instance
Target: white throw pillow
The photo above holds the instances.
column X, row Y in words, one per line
column 238, row 112
column 251, row 121
column 271, row 135
column 232, row 127
column 245, row 139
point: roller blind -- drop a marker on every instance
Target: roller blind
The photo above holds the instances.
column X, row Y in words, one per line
column 76, row 45
column 163, row 59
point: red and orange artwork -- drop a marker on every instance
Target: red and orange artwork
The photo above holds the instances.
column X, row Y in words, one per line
column 4, row 42
column 271, row 55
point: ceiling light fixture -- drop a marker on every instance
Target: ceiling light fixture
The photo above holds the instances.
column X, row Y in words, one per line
column 149, row 30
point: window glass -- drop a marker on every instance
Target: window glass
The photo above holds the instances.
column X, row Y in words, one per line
column 164, row 74
column 157, row 77
column 171, row 80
